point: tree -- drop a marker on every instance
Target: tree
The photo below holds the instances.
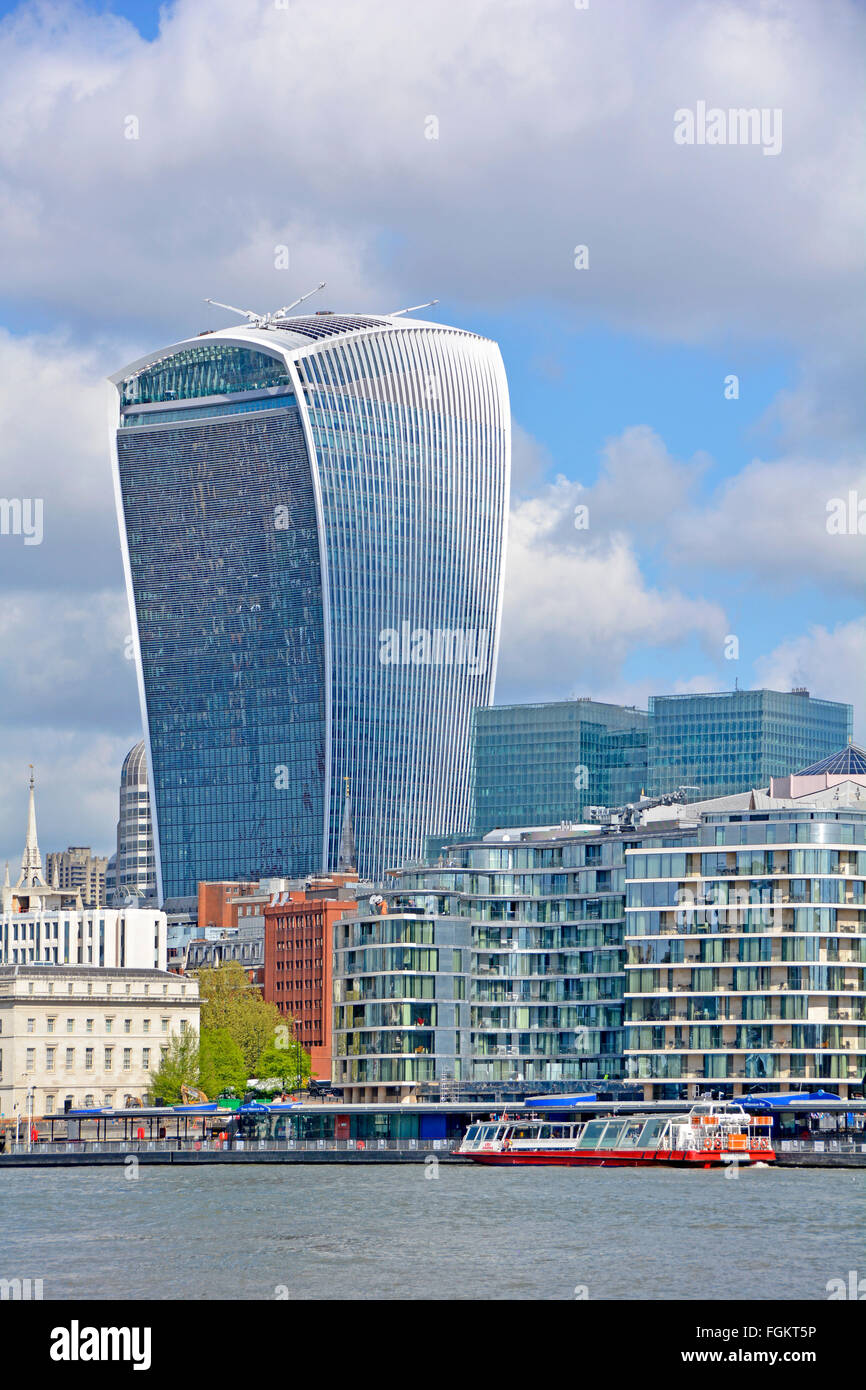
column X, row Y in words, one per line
column 221, row 1063
column 284, row 1060
column 230, row 1003
column 179, row 1066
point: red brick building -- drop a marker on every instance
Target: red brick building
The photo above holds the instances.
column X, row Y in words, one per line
column 299, row 945
column 216, row 907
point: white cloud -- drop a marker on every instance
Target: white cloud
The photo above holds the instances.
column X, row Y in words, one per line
column 576, row 606
column 829, row 662
column 770, row 520
column 307, row 124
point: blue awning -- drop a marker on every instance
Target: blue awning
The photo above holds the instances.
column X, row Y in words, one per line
column 210, row 1109
column 780, row 1099
column 557, row 1102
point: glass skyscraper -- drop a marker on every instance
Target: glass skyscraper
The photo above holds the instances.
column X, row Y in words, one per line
column 727, row 742
column 312, row 514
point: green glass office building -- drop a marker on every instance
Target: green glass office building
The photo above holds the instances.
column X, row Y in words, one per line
column 732, row 740
column 542, row 764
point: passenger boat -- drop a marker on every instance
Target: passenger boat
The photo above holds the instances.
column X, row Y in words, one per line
column 710, row 1135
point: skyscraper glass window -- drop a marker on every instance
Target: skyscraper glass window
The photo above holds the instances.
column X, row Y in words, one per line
column 313, row 520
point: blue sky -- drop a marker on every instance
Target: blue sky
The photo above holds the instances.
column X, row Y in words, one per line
column 305, row 125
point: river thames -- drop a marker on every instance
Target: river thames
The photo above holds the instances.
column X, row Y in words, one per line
column 397, row 1232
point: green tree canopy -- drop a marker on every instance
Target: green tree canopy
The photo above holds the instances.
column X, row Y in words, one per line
column 230, row 1003
column 284, row 1060
column 221, row 1063
column 179, row 1066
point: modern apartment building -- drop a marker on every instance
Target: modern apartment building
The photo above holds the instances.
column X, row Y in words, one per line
column 88, row 1036
column 747, row 951
column 503, row 962
column 711, row 946
column 312, row 514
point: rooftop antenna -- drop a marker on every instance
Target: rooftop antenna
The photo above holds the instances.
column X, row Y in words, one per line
column 281, row 313
column 255, row 319
column 397, row 312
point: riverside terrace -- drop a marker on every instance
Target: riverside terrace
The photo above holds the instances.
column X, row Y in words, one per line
column 808, row 1131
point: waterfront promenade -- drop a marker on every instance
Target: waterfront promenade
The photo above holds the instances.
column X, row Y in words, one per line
column 793, row 1153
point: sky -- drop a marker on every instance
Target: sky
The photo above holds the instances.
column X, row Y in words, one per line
column 693, row 377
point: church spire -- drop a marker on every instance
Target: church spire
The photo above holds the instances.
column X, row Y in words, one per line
column 346, row 861
column 31, row 860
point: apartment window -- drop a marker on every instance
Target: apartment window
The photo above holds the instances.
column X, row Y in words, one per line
column 31, row 1059
column 70, row 1058
column 109, row 1054
column 127, row 1025
column 88, row 1059
column 69, row 989
column 108, row 1100
column 49, row 1058
column 164, row 1022
column 50, row 1103
column 70, row 1025
column 145, row 1057
column 183, row 1025
column 88, row 1025
column 127, row 1059
column 31, row 1025
column 88, row 1101
column 109, row 1025
column 49, row 1024
column 145, row 1025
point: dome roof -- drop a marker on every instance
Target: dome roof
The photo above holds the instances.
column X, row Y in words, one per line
column 134, row 770
column 851, row 759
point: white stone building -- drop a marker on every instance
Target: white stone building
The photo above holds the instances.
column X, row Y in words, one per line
column 85, row 1035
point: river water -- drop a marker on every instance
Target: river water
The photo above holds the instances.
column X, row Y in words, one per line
column 329, row 1232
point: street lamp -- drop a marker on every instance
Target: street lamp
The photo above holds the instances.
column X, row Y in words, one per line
column 29, row 1116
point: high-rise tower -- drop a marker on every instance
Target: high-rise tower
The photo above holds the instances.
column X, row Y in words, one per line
column 313, row 515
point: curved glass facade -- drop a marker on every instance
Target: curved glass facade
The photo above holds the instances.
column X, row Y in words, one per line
column 349, row 639
column 228, row 606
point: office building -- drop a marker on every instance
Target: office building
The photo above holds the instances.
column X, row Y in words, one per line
column 543, row 764
column 90, row 1037
column 299, row 953
column 312, row 515
column 134, row 861
column 77, row 869
column 727, row 742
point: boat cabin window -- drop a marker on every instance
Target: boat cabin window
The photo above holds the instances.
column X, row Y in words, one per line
column 653, row 1131
column 472, row 1133
column 631, row 1133
column 592, row 1133
column 611, row 1136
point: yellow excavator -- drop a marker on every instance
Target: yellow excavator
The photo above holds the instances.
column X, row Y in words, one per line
column 132, row 1102
column 191, row 1095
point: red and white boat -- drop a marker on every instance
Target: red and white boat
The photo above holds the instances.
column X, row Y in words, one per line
column 712, row 1134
